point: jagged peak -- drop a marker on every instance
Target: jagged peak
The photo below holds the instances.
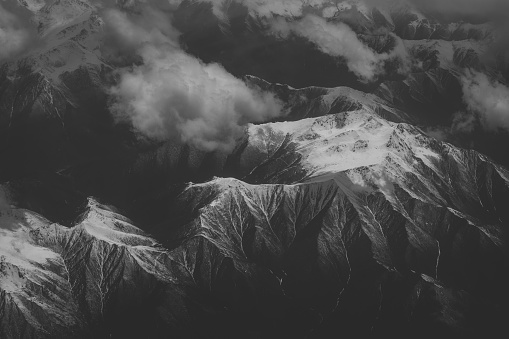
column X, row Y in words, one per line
column 106, row 224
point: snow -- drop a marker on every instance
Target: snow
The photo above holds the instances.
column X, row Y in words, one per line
column 112, row 228
column 34, row 5
column 329, row 148
column 17, row 249
column 364, row 9
column 329, row 12
column 68, row 30
column 344, row 6
column 56, row 15
column 338, row 150
column 357, row 149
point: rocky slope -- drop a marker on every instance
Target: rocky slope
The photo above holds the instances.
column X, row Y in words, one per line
column 341, row 218
column 59, row 282
column 409, row 238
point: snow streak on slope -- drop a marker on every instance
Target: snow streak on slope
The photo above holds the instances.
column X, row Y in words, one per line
column 347, row 219
column 407, row 212
column 70, row 31
column 35, row 295
column 312, row 236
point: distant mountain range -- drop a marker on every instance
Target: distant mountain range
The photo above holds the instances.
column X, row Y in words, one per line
column 366, row 210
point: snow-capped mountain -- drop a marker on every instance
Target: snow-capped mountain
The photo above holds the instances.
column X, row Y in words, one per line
column 342, row 216
column 392, row 220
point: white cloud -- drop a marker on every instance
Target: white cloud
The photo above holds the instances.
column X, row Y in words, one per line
column 336, row 39
column 14, row 37
column 339, row 40
column 489, row 99
column 269, row 8
column 173, row 95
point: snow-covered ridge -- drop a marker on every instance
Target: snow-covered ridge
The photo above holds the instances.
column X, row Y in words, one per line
column 34, row 294
column 42, row 265
column 344, row 141
column 69, row 30
column 363, row 213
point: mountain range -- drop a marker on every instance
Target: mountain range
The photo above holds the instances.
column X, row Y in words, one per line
column 372, row 206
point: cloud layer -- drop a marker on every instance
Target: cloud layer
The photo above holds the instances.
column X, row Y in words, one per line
column 15, row 33
column 459, row 8
column 489, row 99
column 447, row 7
column 338, row 40
column 175, row 96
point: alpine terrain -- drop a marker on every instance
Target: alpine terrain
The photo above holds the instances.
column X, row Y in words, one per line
column 252, row 169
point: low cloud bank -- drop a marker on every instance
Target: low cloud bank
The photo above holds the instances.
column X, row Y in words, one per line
column 292, row 17
column 268, row 8
column 175, row 96
column 488, row 99
column 16, row 31
column 339, row 40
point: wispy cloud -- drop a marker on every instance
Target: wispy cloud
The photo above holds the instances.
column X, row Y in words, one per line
column 339, row 40
column 269, row 8
column 487, row 98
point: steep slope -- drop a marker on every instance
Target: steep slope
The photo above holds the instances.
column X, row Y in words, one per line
column 343, row 219
column 59, row 282
column 35, row 294
column 42, row 80
column 390, row 233
column 422, row 224
column 54, row 93
column 310, row 102
column 334, row 254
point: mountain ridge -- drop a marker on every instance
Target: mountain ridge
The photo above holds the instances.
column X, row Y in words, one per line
column 341, row 217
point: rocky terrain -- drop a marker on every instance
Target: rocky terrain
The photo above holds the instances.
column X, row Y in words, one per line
column 346, row 216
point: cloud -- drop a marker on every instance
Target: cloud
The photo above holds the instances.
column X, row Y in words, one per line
column 437, row 132
column 175, row 96
column 338, row 40
column 16, row 32
column 464, row 122
column 489, row 99
column 453, row 9
column 125, row 34
column 269, row 8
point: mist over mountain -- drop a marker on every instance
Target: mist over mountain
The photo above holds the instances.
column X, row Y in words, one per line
column 254, row 169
